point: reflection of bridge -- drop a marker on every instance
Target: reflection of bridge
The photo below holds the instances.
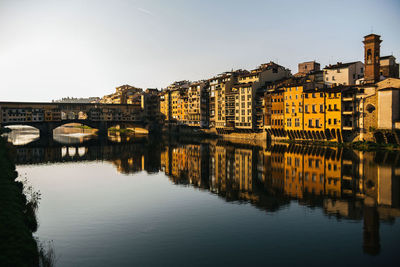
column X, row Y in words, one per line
column 48, row 116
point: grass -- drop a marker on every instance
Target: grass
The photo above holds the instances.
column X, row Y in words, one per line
column 371, row 146
column 47, row 254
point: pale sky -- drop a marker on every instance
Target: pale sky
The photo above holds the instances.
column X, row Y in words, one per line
column 53, row 49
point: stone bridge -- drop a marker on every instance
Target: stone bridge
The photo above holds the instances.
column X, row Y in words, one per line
column 48, row 116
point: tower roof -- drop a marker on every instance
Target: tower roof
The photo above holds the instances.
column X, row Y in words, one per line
column 372, row 35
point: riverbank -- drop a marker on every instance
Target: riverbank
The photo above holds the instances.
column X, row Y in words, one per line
column 358, row 145
column 261, row 139
column 17, row 218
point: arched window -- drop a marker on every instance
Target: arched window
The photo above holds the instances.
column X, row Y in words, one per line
column 369, row 56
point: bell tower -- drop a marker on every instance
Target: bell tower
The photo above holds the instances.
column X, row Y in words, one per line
column 372, row 47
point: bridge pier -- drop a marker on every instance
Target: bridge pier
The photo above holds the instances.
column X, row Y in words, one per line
column 46, row 129
column 102, row 129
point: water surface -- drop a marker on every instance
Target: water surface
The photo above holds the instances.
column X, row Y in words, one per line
column 168, row 202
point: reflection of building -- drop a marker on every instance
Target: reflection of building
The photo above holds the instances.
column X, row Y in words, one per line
column 358, row 186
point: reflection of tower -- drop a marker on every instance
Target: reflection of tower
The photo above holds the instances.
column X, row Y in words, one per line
column 371, row 244
column 371, row 57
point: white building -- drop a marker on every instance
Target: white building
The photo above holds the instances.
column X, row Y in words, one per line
column 343, row 73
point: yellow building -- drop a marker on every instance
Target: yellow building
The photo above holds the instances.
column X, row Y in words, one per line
column 333, row 118
column 165, row 109
column 194, row 105
column 314, row 114
column 293, row 110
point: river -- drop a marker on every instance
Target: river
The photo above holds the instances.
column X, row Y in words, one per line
column 163, row 201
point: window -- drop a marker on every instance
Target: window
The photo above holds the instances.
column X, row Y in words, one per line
column 333, row 78
column 306, row 108
column 313, row 95
column 310, row 123
column 297, row 122
column 300, row 110
column 334, row 107
column 321, row 94
column 334, row 121
column 317, row 123
column 321, row 108
column 289, row 122
column 329, row 121
column 314, row 109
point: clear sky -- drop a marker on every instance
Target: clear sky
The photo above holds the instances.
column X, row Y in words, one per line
column 53, row 49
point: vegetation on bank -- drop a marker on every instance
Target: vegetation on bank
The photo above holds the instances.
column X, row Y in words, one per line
column 4, row 130
column 358, row 145
column 17, row 216
column 123, row 131
column 83, row 127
